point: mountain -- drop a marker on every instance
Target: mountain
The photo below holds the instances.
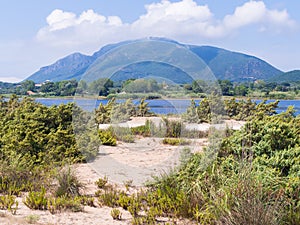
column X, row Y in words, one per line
column 224, row 64
column 70, row 67
column 291, row 76
column 227, row 65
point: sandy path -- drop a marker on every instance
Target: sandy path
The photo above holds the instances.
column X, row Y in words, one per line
column 140, row 160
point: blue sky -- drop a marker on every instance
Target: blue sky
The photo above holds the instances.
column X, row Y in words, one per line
column 36, row 33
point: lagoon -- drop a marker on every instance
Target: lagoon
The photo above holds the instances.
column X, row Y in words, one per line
column 158, row 106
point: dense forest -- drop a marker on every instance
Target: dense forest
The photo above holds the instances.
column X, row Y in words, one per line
column 252, row 178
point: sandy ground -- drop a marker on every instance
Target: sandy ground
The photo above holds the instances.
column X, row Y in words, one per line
column 137, row 161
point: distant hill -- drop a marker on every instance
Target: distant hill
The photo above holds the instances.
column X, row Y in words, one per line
column 224, row 64
column 291, row 76
column 70, row 67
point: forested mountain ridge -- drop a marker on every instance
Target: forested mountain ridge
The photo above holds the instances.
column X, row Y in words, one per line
column 224, row 64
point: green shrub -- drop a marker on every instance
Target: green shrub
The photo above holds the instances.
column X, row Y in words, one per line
column 116, row 214
column 173, row 128
column 107, row 138
column 68, row 184
column 36, row 200
column 32, row 219
column 87, row 200
column 122, row 134
column 101, row 182
column 64, row 203
column 175, row 141
column 141, row 130
column 109, row 198
column 8, row 202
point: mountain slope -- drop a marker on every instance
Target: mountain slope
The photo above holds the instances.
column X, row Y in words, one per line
column 291, row 76
column 224, row 64
column 227, row 65
column 70, row 67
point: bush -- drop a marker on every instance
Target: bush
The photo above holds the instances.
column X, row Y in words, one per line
column 36, row 200
column 175, row 141
column 116, row 214
column 122, row 134
column 101, row 182
column 8, row 202
column 63, row 203
column 68, row 184
column 107, row 138
column 173, row 128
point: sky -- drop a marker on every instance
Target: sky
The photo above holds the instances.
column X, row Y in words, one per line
column 37, row 33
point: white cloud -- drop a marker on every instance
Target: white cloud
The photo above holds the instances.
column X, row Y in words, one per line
column 184, row 20
column 59, row 20
column 256, row 12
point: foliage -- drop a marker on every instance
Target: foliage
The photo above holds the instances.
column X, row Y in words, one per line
column 63, row 203
column 101, row 182
column 253, row 180
column 37, row 134
column 144, row 130
column 9, row 202
column 191, row 115
column 173, row 128
column 175, row 141
column 36, row 200
column 122, row 133
column 68, row 184
column 116, row 214
column 141, row 85
column 107, row 137
column 103, row 112
column 272, row 141
column 101, row 86
column 143, row 109
column 123, row 111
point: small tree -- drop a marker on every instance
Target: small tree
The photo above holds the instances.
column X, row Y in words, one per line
column 143, row 109
column 191, row 114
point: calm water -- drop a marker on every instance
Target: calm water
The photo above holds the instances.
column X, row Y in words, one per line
column 159, row 106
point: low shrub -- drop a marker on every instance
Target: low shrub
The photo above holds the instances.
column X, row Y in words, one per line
column 109, row 198
column 101, row 182
column 63, row 203
column 32, row 219
column 144, row 130
column 36, row 200
column 122, row 133
column 68, row 184
column 87, row 200
column 8, row 202
column 116, row 214
column 175, row 141
column 173, row 128
column 107, row 138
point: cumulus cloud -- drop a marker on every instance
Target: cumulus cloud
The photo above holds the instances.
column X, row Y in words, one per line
column 184, row 20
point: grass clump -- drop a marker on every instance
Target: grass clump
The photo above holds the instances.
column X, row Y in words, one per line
column 32, row 219
column 9, row 202
column 64, row 203
column 101, row 182
column 36, row 200
column 68, row 184
column 175, row 141
column 116, row 214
